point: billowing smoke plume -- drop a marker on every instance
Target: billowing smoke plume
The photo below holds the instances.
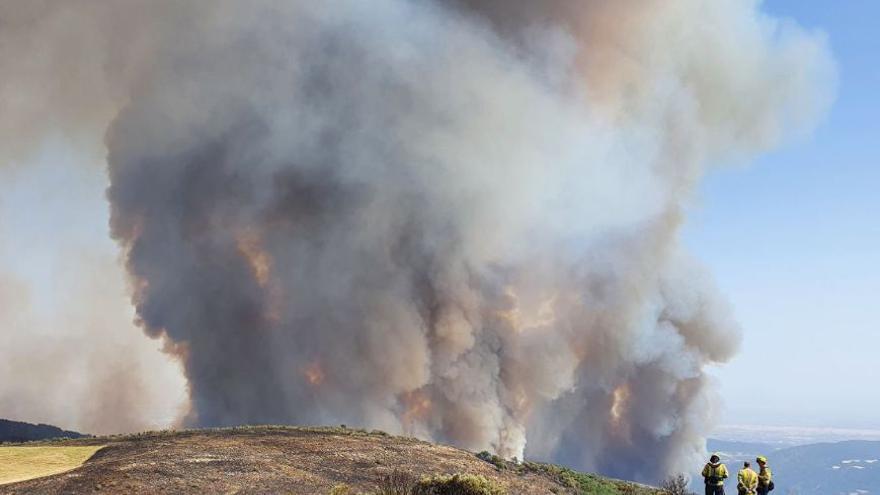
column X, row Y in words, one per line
column 453, row 219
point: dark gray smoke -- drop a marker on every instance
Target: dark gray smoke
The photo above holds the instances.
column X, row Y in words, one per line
column 456, row 220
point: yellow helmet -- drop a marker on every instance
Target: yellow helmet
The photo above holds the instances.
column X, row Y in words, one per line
column 761, row 459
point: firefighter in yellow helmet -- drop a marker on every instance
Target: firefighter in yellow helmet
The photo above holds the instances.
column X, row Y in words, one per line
column 765, row 476
column 747, row 480
column 714, row 474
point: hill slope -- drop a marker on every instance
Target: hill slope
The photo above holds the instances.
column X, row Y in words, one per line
column 17, row 431
column 292, row 460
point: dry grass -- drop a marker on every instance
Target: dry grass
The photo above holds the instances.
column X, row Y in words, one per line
column 24, row 463
column 295, row 461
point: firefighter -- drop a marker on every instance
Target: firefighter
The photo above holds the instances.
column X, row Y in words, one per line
column 765, row 476
column 714, row 474
column 747, row 480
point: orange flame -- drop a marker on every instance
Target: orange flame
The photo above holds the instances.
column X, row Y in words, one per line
column 314, row 374
column 544, row 314
column 417, row 408
column 259, row 260
column 621, row 395
column 619, row 405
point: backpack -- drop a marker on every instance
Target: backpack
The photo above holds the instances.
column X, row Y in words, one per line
column 771, row 486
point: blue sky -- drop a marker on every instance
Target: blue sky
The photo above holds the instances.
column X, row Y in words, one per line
column 794, row 242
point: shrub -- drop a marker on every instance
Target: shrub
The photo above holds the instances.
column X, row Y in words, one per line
column 493, row 459
column 396, row 482
column 458, row 484
column 582, row 482
column 341, row 490
column 676, row 485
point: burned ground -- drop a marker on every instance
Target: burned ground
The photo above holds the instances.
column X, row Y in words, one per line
column 286, row 460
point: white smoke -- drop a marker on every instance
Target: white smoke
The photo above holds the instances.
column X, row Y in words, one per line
column 452, row 219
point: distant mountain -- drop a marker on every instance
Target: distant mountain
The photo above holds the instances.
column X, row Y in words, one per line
column 848, row 468
column 17, row 431
column 851, row 467
column 792, row 436
column 738, row 451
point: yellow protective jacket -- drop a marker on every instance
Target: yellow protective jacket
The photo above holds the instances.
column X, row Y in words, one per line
column 747, row 481
column 714, row 474
column 765, row 476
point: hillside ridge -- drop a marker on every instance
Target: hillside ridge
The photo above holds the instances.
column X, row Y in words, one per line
column 295, row 460
column 20, row 431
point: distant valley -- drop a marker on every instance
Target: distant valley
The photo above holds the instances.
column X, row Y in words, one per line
column 849, row 467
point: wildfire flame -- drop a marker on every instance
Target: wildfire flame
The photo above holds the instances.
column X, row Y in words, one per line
column 259, row 260
column 619, row 406
column 417, row 406
column 520, row 318
column 314, row 374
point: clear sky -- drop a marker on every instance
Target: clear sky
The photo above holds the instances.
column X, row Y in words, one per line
column 794, row 242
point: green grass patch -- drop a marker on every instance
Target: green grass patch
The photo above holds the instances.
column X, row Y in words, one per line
column 583, row 482
column 458, row 484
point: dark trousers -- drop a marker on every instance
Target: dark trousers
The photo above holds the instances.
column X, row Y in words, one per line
column 714, row 489
column 762, row 490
